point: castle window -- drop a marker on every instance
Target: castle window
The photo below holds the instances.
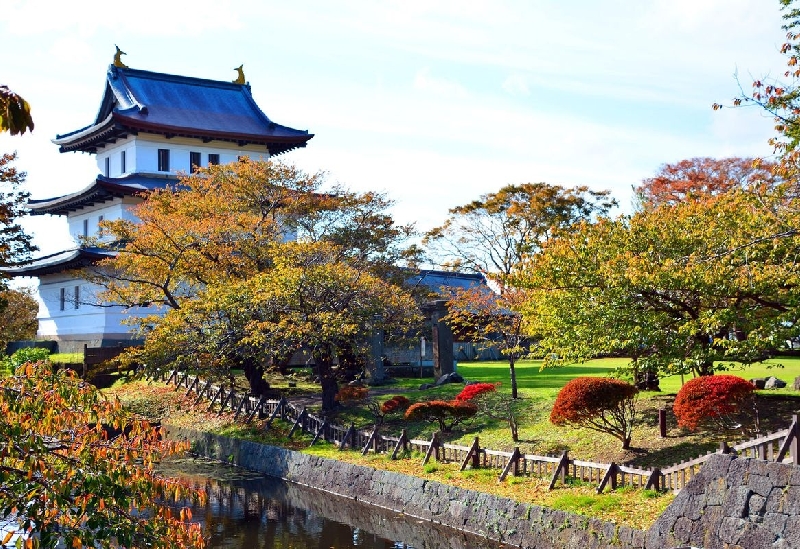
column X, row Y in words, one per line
column 213, row 159
column 77, row 297
column 63, row 299
column 108, row 166
column 163, row 160
column 122, row 162
column 194, row 161
column 85, row 228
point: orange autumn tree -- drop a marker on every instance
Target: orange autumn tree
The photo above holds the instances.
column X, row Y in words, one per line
column 698, row 178
column 492, row 321
column 76, row 470
column 223, row 225
column 309, row 300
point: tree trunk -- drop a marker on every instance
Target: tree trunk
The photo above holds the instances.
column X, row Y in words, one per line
column 626, row 443
column 512, row 424
column 706, row 368
column 327, row 381
column 513, row 376
column 254, row 373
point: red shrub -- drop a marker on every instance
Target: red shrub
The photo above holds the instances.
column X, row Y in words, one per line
column 350, row 393
column 603, row 404
column 471, row 391
column 710, row 398
column 395, row 404
column 446, row 414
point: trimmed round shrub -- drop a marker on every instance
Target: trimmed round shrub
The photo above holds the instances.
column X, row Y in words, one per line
column 711, row 398
column 476, row 389
column 602, row 404
column 395, row 404
column 447, row 414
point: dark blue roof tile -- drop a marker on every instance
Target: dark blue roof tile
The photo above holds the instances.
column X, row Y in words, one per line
column 144, row 101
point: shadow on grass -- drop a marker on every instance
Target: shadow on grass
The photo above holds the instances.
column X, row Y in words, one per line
column 677, row 453
column 531, row 376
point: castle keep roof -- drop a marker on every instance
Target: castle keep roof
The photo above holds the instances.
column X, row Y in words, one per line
column 136, row 101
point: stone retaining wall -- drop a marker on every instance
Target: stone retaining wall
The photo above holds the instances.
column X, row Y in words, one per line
column 734, row 503
column 489, row 516
column 731, row 503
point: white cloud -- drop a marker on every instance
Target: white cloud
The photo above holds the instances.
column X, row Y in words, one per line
column 517, row 85
column 442, row 87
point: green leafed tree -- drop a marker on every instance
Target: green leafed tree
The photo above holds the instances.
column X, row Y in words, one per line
column 15, row 245
column 676, row 288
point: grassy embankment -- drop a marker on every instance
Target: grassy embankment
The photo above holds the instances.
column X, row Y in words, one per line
column 538, row 389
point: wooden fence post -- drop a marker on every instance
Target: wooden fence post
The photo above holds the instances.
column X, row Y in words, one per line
column 791, row 443
column 475, row 454
column 611, row 475
column 192, row 386
column 351, row 433
column 179, row 382
column 434, row 447
column 561, row 471
column 225, row 402
column 256, row 410
column 216, row 396
column 320, row 431
column 513, row 463
column 278, row 410
column 242, row 401
column 373, row 440
column 298, row 422
column 402, row 443
column 172, row 375
column 203, row 391
column 654, row 480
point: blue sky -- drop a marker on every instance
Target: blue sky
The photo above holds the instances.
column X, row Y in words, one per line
column 434, row 103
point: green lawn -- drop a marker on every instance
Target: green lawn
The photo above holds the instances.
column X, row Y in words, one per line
column 531, row 376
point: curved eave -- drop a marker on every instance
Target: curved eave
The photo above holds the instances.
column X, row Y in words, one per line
column 97, row 193
column 53, row 264
column 118, row 126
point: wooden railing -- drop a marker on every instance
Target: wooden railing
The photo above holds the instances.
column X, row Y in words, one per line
column 781, row 446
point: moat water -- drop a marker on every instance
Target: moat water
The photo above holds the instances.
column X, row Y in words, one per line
column 247, row 510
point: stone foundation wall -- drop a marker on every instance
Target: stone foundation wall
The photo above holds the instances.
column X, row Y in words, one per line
column 734, row 503
column 496, row 518
column 731, row 503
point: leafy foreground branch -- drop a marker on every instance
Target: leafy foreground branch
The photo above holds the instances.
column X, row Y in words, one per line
column 76, row 470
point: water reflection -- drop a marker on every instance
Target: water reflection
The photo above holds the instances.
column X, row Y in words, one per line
column 249, row 511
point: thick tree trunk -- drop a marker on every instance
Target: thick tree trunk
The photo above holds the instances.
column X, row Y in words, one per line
column 327, row 381
column 254, row 373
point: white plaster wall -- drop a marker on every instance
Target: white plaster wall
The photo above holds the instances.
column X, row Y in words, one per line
column 114, row 209
column 87, row 319
column 141, row 154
